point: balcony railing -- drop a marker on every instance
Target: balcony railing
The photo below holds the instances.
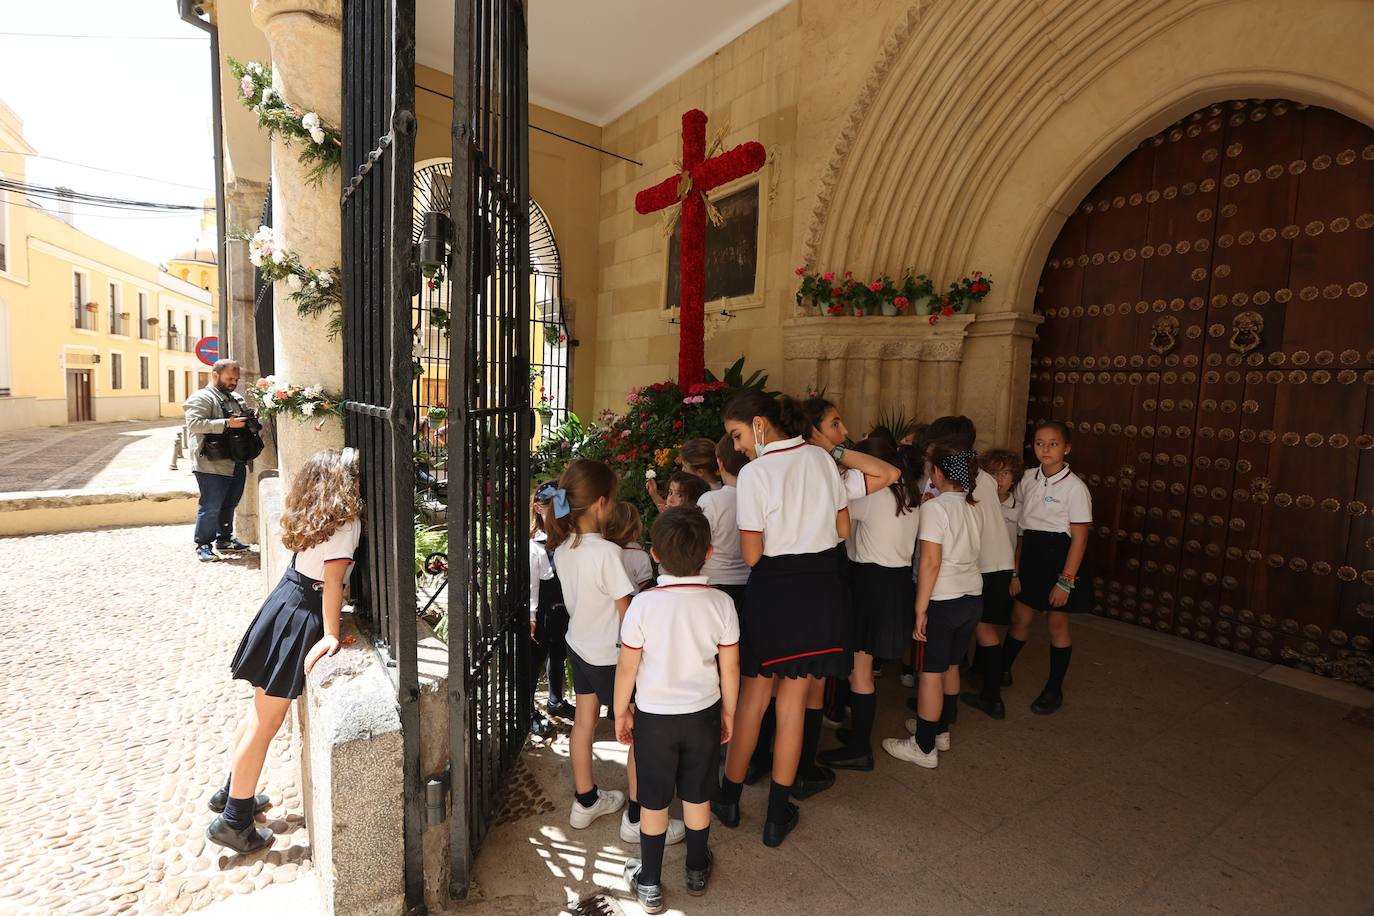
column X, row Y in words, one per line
column 83, row 318
column 173, row 340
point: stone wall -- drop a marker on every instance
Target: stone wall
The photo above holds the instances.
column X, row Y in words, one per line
column 751, row 87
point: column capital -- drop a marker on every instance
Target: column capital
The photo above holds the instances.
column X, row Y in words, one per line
column 326, row 11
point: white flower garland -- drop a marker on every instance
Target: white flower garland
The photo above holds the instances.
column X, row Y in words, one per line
column 322, row 145
column 313, row 291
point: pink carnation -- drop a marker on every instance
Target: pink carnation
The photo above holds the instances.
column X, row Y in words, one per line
column 828, row 276
column 875, row 286
column 246, row 84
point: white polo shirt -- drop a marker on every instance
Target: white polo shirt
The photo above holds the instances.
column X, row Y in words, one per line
column 638, row 566
column 1011, row 514
column 791, row 495
column 679, row 626
column 541, row 570
column 593, row 578
column 996, row 553
column 948, row 520
column 726, row 566
column 878, row 534
column 1053, row 503
column 339, row 547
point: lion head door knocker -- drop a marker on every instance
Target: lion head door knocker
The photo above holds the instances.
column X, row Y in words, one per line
column 1246, row 329
column 1164, row 335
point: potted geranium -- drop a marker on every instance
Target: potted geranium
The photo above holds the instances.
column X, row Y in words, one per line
column 91, row 306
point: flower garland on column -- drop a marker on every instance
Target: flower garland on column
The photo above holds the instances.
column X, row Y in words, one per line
column 313, row 291
column 321, row 144
column 276, row 397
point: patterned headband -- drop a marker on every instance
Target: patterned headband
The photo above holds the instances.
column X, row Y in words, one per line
column 552, row 493
column 959, row 468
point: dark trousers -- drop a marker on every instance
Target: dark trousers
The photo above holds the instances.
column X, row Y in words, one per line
column 219, row 497
column 550, row 632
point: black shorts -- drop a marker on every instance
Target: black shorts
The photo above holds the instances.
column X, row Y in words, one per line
column 1042, row 558
column 677, row 753
column 597, row 679
column 997, row 598
column 949, row 627
column 736, row 593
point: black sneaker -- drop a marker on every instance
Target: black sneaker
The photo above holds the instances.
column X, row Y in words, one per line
column 562, row 710
column 649, row 896
column 774, row 834
column 995, row 708
column 233, row 544
column 697, row 878
column 221, row 798
column 847, row 758
column 726, row 812
column 814, row 782
column 249, row 839
column 541, row 727
column 1049, row 701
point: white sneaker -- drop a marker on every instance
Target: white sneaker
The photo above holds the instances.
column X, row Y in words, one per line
column 629, row 833
column 941, row 740
column 908, row 680
column 608, row 801
column 906, row 749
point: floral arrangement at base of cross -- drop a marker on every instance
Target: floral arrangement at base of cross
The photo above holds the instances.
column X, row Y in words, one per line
column 914, row 294
column 313, row 291
column 275, row 397
column 642, row 444
column 321, row 145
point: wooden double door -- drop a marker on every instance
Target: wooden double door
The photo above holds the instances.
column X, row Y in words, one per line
column 79, row 396
column 1209, row 338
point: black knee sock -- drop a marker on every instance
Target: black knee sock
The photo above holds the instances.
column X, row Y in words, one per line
column 777, row 802
column 841, row 702
column 588, row 798
column 926, row 730
column 767, row 728
column 978, row 653
column 729, row 791
column 238, row 812
column 865, row 706
column 696, row 847
column 1059, row 665
column 632, row 810
column 949, row 714
column 651, row 858
column 1011, row 647
column 811, row 740
column 227, row 781
column 992, row 673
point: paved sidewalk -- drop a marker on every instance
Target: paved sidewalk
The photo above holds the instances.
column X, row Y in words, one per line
column 83, row 456
column 1170, row 782
column 117, row 713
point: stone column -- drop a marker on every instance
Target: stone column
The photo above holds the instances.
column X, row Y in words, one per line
column 306, row 40
column 996, row 382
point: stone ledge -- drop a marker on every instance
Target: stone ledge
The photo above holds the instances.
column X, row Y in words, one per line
column 64, row 499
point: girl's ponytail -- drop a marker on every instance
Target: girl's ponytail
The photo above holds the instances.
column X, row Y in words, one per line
column 959, row 465
column 582, row 483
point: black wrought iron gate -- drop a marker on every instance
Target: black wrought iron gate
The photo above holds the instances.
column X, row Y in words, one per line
column 489, row 404
column 378, row 281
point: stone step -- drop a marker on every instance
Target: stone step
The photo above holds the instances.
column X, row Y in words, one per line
column 50, row 511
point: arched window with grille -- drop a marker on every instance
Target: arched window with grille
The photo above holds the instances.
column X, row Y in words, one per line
column 550, row 339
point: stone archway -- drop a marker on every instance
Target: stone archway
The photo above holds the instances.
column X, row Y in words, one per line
column 1011, row 133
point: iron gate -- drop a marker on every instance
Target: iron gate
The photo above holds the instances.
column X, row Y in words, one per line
column 490, row 418
column 378, row 162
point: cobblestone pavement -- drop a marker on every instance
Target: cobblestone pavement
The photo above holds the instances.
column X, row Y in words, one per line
column 133, row 455
column 117, row 714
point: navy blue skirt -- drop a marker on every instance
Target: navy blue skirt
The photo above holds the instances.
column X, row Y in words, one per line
column 793, row 623
column 273, row 650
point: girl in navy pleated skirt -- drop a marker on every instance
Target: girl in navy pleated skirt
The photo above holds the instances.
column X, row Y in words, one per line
column 296, row 626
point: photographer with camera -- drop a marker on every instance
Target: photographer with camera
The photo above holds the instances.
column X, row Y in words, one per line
column 224, row 440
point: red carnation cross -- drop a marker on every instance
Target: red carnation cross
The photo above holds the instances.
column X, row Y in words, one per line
column 704, row 175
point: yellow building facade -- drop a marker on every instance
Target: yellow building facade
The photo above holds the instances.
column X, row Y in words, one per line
column 89, row 332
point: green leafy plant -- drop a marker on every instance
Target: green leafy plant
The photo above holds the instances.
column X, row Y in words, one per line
column 321, row 145
column 429, row 540
column 894, row 419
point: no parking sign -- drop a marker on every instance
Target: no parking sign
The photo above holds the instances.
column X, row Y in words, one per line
column 207, row 351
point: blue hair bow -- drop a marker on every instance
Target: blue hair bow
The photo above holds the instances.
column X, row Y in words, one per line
column 556, row 495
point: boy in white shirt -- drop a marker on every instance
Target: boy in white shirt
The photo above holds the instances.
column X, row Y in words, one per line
column 725, row 568
column 679, row 662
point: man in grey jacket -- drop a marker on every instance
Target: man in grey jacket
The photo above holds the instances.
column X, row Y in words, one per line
column 212, row 411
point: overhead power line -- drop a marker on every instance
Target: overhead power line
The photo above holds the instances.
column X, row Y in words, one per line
column 103, row 37
column 44, row 192
column 97, row 168
column 120, row 215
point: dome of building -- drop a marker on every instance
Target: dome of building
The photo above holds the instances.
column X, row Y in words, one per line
column 199, row 253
